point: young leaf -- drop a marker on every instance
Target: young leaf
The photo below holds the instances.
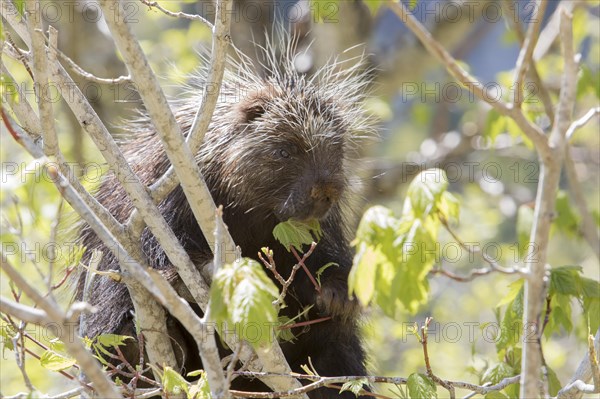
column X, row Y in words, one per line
column 361, row 281
column 565, row 280
column 322, row 269
column 497, row 373
column 296, row 233
column 377, row 224
column 112, row 340
column 511, row 325
column 449, row 206
column 56, row 362
column 554, row 384
column 173, row 382
column 514, row 289
column 285, row 334
column 425, row 191
column 421, row 387
column 6, row 334
column 354, row 386
column 242, row 295
column 591, row 301
column 416, row 259
column 200, row 390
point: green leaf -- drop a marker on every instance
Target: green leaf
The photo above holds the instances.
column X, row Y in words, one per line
column 7, row 333
column 512, row 325
column 554, row 384
column 173, row 382
column 378, row 223
column 560, row 316
column 449, row 206
column 322, row 269
column 242, row 295
column 566, row 220
column 497, row 373
column 355, row 386
column 56, row 362
column 111, row 340
column 421, row 387
column 285, row 334
column 297, row 233
column 565, row 280
column 590, row 290
column 514, row 289
column 195, row 373
column 425, row 191
column 57, row 345
column 416, row 260
column 200, row 390
column 361, row 281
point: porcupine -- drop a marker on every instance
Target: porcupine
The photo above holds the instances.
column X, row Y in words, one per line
column 280, row 145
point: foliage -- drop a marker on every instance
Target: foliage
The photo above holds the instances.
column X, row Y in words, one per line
column 420, row 386
column 394, row 255
column 241, row 296
column 296, row 233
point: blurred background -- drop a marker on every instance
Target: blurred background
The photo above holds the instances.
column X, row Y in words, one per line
column 425, row 120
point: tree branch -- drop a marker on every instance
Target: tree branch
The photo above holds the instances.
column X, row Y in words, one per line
column 532, row 131
column 23, row 312
column 40, row 73
column 525, row 55
column 177, row 150
column 577, row 386
column 581, row 122
column 551, row 163
column 74, row 345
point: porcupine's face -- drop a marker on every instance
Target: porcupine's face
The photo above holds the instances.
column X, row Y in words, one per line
column 291, row 155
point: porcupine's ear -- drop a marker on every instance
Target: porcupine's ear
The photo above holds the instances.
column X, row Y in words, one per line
column 252, row 107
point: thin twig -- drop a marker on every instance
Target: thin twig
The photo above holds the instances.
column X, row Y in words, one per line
column 308, row 273
column 87, row 75
column 320, row 381
column 194, row 17
column 75, row 347
column 536, row 264
column 494, row 266
column 532, row 131
column 285, row 284
column 430, row 373
column 533, row 71
column 525, row 55
column 581, row 122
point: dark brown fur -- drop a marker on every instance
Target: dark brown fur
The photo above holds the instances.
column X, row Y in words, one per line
column 279, row 149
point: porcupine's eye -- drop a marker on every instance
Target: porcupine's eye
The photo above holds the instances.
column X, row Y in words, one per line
column 283, row 154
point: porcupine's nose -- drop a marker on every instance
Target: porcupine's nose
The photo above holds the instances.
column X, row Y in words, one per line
column 323, row 195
